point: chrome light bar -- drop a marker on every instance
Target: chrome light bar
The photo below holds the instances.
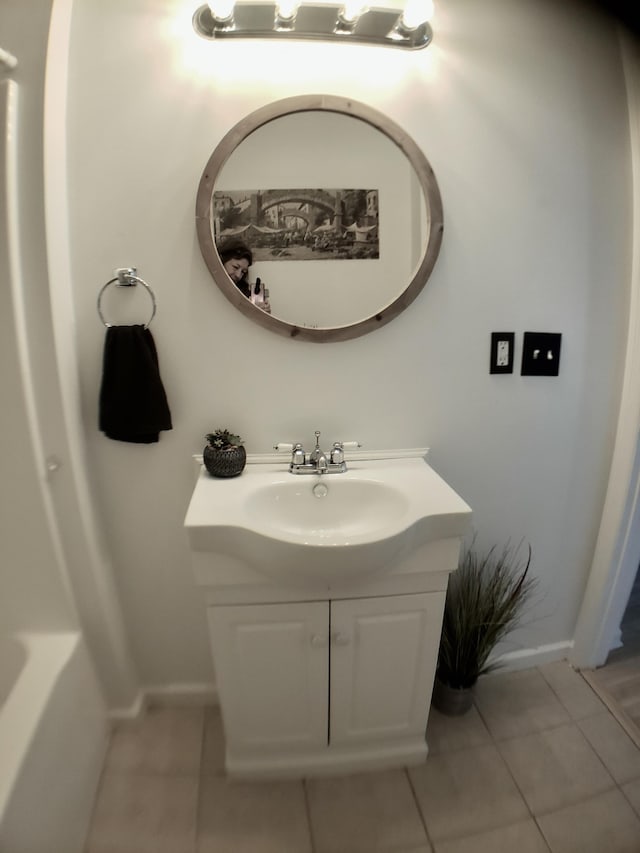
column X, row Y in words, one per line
column 373, row 26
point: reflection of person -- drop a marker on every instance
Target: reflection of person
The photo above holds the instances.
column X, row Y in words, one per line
column 236, row 259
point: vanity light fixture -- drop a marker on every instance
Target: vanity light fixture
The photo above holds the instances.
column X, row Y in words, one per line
column 221, row 12
column 416, row 13
column 285, row 15
column 350, row 21
column 349, row 16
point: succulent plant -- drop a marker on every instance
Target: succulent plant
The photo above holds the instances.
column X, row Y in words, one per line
column 222, row 439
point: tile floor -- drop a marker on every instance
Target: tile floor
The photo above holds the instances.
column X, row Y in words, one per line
column 539, row 765
column 619, row 682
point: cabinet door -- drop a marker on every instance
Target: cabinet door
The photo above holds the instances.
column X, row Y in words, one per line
column 383, row 660
column 271, row 664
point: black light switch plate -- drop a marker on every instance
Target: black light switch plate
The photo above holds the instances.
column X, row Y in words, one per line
column 541, row 354
column 502, row 344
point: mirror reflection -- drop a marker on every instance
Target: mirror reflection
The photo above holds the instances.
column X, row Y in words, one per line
column 236, row 258
column 319, row 218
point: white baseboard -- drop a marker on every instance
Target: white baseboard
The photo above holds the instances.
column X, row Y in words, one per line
column 196, row 694
column 167, row 695
column 529, row 658
column 131, row 712
column 181, row 694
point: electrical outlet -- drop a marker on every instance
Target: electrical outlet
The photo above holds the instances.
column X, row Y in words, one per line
column 502, row 344
column 541, row 354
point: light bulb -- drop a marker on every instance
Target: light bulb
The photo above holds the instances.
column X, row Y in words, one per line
column 222, row 10
column 352, row 10
column 417, row 12
column 287, row 9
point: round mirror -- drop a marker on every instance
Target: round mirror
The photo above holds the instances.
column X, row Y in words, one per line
column 340, row 210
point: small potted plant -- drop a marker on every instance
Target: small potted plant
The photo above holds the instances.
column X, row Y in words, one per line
column 224, row 455
column 484, row 602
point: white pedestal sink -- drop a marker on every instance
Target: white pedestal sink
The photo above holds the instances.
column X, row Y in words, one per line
column 324, row 602
column 324, row 528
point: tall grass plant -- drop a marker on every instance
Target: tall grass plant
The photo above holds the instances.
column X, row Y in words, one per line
column 485, row 601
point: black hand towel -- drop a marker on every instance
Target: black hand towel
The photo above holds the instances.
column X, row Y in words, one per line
column 133, row 403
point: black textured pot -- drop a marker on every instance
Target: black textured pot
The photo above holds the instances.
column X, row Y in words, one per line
column 224, row 462
column 452, row 701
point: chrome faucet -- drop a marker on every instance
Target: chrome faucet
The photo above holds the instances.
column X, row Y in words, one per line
column 317, row 457
column 317, row 461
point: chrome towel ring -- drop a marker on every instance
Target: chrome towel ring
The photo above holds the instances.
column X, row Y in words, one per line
column 126, row 277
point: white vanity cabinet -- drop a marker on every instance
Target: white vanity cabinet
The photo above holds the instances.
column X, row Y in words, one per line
column 324, row 600
column 272, row 668
column 325, row 684
column 382, row 658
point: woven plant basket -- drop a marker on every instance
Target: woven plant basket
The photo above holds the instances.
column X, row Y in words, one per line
column 224, row 462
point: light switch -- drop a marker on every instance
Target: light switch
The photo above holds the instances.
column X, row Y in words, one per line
column 541, row 354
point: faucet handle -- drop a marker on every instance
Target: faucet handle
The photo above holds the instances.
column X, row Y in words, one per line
column 338, row 449
column 296, row 451
column 337, row 453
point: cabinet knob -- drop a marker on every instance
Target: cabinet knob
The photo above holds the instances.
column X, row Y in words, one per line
column 318, row 641
column 340, row 639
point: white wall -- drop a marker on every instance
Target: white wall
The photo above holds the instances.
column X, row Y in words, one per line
column 519, row 106
column 46, row 554
column 32, row 591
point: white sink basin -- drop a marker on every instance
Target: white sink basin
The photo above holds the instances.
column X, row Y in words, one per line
column 334, row 511
column 291, row 527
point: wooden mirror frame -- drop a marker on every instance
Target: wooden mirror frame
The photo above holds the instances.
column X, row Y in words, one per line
column 328, row 103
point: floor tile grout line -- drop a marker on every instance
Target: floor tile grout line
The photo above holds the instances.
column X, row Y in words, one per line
column 610, row 772
column 569, row 722
column 613, row 708
column 96, row 796
column 575, row 725
column 423, row 821
column 546, row 728
column 573, row 722
column 155, row 774
column 595, row 751
column 510, row 823
column 200, row 791
column 542, row 834
column 577, row 722
column 610, row 706
column 635, row 810
column 496, row 745
column 307, row 804
column 611, row 787
column 586, row 800
column 540, row 669
column 200, row 774
column 484, row 722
